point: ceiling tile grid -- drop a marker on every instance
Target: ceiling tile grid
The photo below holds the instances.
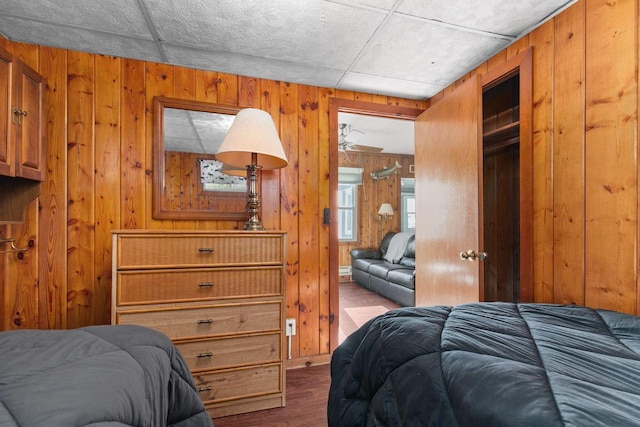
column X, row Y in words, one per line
column 405, row 48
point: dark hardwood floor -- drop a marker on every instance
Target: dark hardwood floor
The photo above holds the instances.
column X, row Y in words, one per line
column 308, row 388
column 307, row 396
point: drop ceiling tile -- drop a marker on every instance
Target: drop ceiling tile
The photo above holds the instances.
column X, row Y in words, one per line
column 425, row 52
column 79, row 39
column 112, row 16
column 253, row 67
column 497, row 16
column 313, row 32
column 388, row 86
column 380, row 4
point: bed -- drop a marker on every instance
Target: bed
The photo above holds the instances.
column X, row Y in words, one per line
column 489, row 364
column 99, row 375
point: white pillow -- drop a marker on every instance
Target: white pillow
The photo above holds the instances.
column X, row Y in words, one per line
column 397, row 245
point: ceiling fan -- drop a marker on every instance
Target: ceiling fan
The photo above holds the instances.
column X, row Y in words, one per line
column 348, row 137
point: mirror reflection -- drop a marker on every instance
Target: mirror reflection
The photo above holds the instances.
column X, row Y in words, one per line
column 190, row 183
column 194, row 131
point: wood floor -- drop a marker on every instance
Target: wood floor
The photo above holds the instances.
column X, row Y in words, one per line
column 308, row 388
column 307, row 396
column 357, row 306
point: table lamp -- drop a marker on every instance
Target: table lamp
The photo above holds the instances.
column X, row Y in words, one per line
column 252, row 142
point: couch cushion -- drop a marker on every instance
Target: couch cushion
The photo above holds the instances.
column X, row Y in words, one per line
column 364, row 263
column 397, row 247
column 409, row 257
column 381, row 270
column 403, row 276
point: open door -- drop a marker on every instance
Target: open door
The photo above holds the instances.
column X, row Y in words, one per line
column 448, row 198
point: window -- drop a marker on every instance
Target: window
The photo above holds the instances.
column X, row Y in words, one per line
column 348, row 180
column 408, row 204
column 408, row 212
column 347, row 212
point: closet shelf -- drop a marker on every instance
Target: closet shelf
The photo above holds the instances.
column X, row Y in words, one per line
column 501, row 134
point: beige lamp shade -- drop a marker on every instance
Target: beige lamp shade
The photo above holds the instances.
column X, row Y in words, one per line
column 233, row 171
column 385, row 209
column 252, row 131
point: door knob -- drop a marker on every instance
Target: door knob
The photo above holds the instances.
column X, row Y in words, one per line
column 471, row 255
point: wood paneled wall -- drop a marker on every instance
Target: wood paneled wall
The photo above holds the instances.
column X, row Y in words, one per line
column 585, row 84
column 371, row 194
column 98, row 109
column 99, row 178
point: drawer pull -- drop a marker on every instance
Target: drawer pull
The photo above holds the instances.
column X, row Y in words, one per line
column 207, row 354
column 206, row 285
column 204, row 321
column 208, row 250
column 201, row 389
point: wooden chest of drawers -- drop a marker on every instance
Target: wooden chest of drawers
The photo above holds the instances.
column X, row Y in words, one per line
column 220, row 297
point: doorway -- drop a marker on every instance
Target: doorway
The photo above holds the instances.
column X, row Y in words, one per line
column 352, row 107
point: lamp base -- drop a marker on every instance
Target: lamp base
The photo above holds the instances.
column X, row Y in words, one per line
column 253, row 197
column 253, row 225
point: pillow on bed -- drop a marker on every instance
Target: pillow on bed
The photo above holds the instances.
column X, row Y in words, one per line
column 397, row 246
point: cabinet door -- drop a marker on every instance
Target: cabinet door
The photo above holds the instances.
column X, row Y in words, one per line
column 30, row 128
column 6, row 137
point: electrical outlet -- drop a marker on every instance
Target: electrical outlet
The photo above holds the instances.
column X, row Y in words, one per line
column 290, row 328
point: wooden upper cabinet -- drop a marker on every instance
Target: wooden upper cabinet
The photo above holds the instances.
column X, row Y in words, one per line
column 21, row 120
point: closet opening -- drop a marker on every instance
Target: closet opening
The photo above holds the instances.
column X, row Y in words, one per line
column 501, row 188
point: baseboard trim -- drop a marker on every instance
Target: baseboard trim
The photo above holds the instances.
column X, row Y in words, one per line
column 306, row 362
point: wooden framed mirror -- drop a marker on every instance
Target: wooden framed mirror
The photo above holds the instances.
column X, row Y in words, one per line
column 188, row 183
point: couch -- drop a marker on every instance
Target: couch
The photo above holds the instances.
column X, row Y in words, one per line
column 389, row 270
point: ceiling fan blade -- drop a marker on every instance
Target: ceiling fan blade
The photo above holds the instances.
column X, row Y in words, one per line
column 353, row 136
column 365, row 148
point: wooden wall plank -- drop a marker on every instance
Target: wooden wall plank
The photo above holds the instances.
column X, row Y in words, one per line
column 518, row 46
column 81, row 190
column 543, row 74
column 52, row 233
column 107, row 178
column 289, row 204
column 568, row 155
column 227, row 89
column 308, row 218
column 133, row 148
column 324, row 238
column 611, row 154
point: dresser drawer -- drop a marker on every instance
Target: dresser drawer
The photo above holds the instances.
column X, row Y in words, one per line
column 154, row 286
column 229, row 352
column 239, row 383
column 136, row 251
column 207, row 321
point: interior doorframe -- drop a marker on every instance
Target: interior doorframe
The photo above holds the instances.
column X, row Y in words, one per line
column 521, row 63
column 355, row 107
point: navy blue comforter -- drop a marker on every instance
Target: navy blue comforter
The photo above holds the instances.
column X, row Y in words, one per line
column 489, row 364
